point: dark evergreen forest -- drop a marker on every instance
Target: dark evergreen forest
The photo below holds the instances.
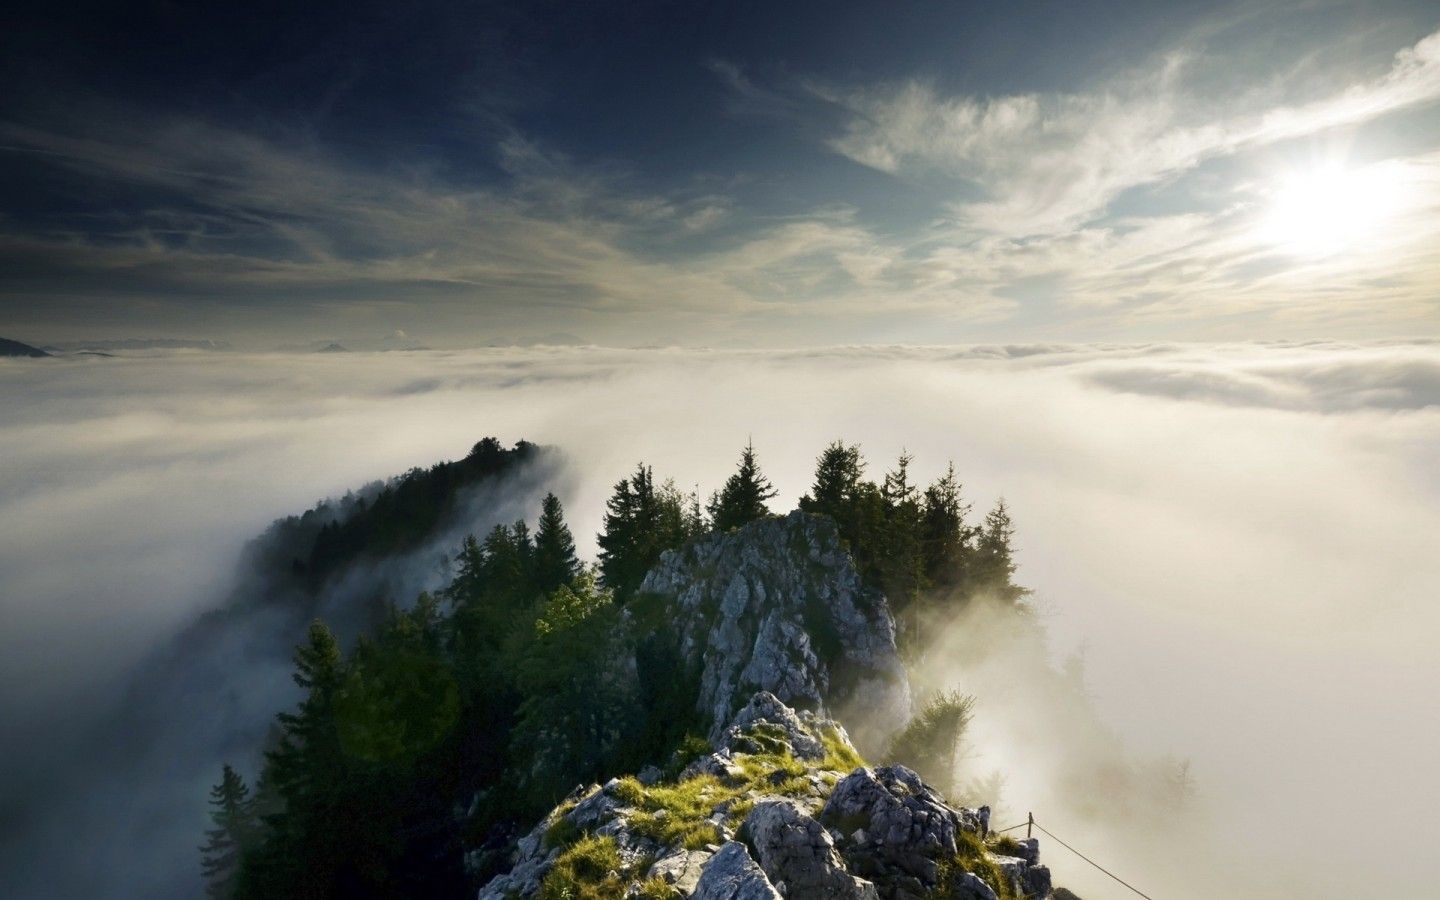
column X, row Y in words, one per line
column 466, row 713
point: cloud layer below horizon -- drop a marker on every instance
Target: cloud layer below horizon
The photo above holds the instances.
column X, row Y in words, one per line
column 1239, row 537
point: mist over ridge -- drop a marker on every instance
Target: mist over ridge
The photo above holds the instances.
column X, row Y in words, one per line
column 1153, row 486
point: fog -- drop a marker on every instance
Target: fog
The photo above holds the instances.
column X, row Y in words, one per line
column 1237, row 539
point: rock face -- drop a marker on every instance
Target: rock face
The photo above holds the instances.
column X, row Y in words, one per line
column 770, row 812
column 777, row 606
column 732, row 875
column 895, row 826
column 796, row 851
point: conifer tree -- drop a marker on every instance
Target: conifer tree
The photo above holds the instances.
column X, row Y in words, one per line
column 555, row 560
column 506, row 574
column 631, row 517
column 744, row 497
column 837, row 479
column 307, row 741
column 994, row 558
column 572, row 706
column 901, row 562
column 233, row 815
column 945, row 535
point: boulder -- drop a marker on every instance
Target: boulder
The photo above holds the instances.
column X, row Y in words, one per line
column 897, row 825
column 969, row 887
column 681, row 869
column 874, row 834
column 1036, row 881
column 795, row 850
column 766, row 717
column 732, row 875
column 1029, row 850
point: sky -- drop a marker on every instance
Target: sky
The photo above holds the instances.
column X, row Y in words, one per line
column 451, row 174
column 1166, row 276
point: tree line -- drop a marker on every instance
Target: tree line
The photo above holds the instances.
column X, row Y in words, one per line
column 501, row 689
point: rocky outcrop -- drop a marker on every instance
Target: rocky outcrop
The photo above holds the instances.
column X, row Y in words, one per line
column 895, row 827
column 796, row 852
column 777, row 606
column 776, row 808
column 732, row 875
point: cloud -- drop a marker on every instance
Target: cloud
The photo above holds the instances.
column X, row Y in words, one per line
column 1388, row 380
column 1239, row 535
column 1131, row 209
column 1054, row 162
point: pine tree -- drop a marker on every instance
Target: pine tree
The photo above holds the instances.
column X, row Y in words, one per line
column 506, row 574
column 555, row 560
column 573, row 707
column 630, row 520
column 233, row 815
column 995, row 567
column 837, row 479
column 307, row 740
column 901, row 564
column 898, row 489
column 945, row 536
column 642, row 521
column 857, row 506
column 743, row 498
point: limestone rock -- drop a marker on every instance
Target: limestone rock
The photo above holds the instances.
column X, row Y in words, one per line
column 532, row 861
column 904, row 825
column 681, row 869
column 874, row 834
column 969, row 887
column 1029, row 850
column 794, row 849
column 1036, row 881
column 732, row 875
column 777, row 606
column 765, row 709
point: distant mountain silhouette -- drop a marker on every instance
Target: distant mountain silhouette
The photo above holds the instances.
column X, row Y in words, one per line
column 333, row 348
column 15, row 348
column 139, row 344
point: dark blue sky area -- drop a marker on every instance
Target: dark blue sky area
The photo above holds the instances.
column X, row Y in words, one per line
column 624, row 81
column 897, row 170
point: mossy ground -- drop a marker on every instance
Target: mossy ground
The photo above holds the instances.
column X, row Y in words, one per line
column 971, row 857
column 590, row 869
column 678, row 813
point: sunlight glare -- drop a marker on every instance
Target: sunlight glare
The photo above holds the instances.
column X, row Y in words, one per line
column 1330, row 209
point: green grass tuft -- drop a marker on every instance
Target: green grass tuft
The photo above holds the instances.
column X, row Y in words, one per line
column 590, row 869
column 1004, row 845
column 629, row 791
column 657, row 889
column 839, row 755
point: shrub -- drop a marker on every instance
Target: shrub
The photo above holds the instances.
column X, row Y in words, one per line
column 931, row 742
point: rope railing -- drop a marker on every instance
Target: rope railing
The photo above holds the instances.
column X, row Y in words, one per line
column 1031, row 823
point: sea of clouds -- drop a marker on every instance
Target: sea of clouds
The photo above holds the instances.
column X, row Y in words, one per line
column 1238, row 539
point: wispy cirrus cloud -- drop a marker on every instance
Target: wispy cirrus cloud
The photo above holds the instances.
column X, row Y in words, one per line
column 1134, row 208
column 1048, row 163
column 291, row 224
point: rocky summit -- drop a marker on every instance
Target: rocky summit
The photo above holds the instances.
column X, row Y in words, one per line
column 777, row 606
column 780, row 804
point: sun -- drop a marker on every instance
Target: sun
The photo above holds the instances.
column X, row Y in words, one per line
column 1328, row 210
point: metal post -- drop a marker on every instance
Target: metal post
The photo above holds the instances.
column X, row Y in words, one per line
column 1029, row 825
